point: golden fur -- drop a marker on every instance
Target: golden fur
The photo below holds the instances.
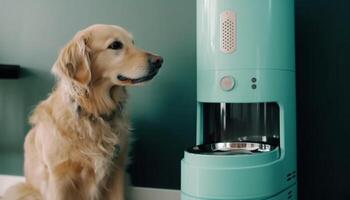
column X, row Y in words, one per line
column 77, row 147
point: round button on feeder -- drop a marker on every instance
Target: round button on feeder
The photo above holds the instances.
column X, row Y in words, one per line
column 227, row 83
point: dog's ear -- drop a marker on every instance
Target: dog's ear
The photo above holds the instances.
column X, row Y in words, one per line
column 73, row 61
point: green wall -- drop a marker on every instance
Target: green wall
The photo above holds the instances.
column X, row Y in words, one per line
column 162, row 112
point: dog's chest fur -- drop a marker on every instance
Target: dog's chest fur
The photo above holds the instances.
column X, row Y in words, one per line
column 105, row 144
column 79, row 146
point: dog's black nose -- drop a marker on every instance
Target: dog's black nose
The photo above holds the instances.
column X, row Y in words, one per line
column 155, row 61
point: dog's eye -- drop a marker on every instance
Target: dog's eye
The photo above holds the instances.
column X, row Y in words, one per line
column 116, row 45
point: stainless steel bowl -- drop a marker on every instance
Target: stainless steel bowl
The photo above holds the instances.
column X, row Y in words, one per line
column 232, row 148
column 272, row 140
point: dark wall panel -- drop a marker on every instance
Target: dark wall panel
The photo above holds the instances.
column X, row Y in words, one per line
column 323, row 97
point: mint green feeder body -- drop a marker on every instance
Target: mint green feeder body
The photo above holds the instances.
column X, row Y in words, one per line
column 263, row 49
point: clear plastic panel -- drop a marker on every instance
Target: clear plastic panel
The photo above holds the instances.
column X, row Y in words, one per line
column 251, row 122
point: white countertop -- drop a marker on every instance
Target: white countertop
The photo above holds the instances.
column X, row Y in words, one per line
column 137, row 193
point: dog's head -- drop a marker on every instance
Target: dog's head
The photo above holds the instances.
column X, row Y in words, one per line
column 105, row 52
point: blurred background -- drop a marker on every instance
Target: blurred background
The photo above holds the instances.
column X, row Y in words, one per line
column 163, row 111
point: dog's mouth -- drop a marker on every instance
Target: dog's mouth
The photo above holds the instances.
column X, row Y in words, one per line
column 136, row 80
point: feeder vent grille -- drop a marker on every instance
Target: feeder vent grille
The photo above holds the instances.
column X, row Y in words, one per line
column 290, row 176
column 227, row 31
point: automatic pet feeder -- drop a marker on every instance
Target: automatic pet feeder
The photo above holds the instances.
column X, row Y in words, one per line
column 246, row 130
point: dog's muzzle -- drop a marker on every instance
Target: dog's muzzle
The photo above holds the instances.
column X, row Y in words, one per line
column 154, row 64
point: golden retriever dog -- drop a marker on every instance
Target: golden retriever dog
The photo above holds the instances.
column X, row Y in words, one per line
column 77, row 147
